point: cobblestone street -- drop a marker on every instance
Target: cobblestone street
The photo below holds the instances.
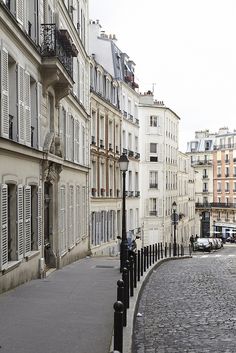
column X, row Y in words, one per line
column 189, row 306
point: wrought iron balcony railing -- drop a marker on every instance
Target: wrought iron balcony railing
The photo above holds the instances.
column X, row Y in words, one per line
column 57, row 43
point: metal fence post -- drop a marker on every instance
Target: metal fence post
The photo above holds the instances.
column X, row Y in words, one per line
column 178, row 250
column 135, row 270
column 144, row 259
column 153, row 253
column 147, row 257
column 150, row 255
column 118, row 326
column 165, row 249
column 156, row 252
column 161, row 251
column 169, row 249
column 125, row 278
column 139, row 263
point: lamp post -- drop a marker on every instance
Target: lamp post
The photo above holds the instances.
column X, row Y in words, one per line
column 123, row 162
column 174, row 218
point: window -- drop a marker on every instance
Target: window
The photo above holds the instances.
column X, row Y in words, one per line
column 227, row 186
column 227, row 171
column 152, row 207
column 153, row 120
column 218, row 186
column 153, row 147
column 153, row 180
column 153, row 159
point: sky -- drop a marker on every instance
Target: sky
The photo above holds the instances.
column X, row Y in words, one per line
column 185, row 49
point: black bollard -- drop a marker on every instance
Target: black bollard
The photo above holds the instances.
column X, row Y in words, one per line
column 156, row 252
column 161, row 251
column 125, row 278
column 169, row 249
column 131, row 275
column 138, row 265
column 135, row 270
column 118, row 326
column 144, row 259
column 150, row 255
column 147, row 257
column 165, row 249
column 121, row 298
column 178, row 250
column 127, row 265
column 142, row 262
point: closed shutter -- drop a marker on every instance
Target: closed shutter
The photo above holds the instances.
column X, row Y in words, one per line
column 75, row 76
column 3, row 226
column 39, row 116
column 86, row 90
column 39, row 218
column 78, row 219
column 20, row 222
column 67, row 136
column 27, row 220
column 20, row 96
column 160, row 208
column 83, row 145
column 20, row 11
column 62, row 220
column 71, row 216
column 27, row 110
column 4, row 90
column 76, row 141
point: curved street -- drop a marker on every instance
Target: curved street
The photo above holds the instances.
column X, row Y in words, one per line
column 189, row 306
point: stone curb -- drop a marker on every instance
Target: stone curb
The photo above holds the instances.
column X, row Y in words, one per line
column 132, row 311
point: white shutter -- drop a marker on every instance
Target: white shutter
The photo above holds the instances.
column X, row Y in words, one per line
column 78, row 222
column 27, row 220
column 3, row 226
column 67, row 137
column 86, row 90
column 75, row 76
column 39, row 116
column 4, row 90
column 71, row 216
column 39, row 217
column 20, row 222
column 76, row 140
column 20, row 94
column 27, row 110
column 20, row 11
column 160, row 208
column 62, row 220
column 83, row 145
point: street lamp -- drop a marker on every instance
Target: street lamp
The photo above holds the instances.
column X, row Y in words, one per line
column 124, row 163
column 174, row 218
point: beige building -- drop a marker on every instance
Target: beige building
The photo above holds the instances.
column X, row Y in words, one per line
column 105, row 147
column 44, row 159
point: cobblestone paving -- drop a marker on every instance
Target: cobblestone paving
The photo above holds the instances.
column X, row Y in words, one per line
column 189, row 306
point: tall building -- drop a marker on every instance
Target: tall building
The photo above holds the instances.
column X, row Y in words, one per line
column 118, row 65
column 159, row 127
column 200, row 151
column 223, row 208
column 44, row 159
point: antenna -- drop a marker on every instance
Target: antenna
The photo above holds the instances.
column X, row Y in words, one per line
column 153, row 86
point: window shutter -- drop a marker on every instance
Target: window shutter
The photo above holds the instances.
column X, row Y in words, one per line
column 3, row 226
column 71, row 216
column 4, row 90
column 62, row 220
column 160, row 207
column 20, row 222
column 27, row 220
column 67, row 142
column 39, row 218
column 76, row 141
column 75, row 76
column 20, row 94
column 39, row 116
column 20, row 11
column 78, row 221
column 83, row 146
column 27, row 110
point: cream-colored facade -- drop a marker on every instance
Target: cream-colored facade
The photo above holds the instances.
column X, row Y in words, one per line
column 44, row 154
column 186, row 199
column 105, row 147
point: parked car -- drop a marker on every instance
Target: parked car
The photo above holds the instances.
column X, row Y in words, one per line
column 202, row 244
column 213, row 242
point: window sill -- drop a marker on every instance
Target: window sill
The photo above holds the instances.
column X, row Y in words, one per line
column 32, row 254
column 11, row 266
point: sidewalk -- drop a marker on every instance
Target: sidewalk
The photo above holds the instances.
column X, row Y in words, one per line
column 71, row 311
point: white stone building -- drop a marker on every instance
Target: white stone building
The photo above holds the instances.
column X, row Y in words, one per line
column 159, row 127
column 44, row 139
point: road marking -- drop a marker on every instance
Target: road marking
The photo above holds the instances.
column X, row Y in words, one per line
column 232, row 255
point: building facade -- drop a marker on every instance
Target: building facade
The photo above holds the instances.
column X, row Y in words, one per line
column 44, row 137
column 158, row 168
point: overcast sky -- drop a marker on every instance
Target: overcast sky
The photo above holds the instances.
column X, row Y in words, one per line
column 187, row 48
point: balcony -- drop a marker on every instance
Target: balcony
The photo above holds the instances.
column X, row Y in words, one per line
column 153, row 186
column 93, row 192
column 152, row 213
column 131, row 193
column 222, row 147
column 223, row 205
column 227, row 175
column 226, row 160
column 125, row 114
column 205, row 190
column 219, row 190
column 131, row 153
column 101, row 144
column 137, row 155
column 137, row 121
column 110, row 147
column 137, row 193
column 93, row 142
column 57, row 51
column 103, row 192
column 205, row 176
column 219, row 175
column 131, row 118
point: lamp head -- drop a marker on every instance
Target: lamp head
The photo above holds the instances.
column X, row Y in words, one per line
column 174, row 206
column 123, row 162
